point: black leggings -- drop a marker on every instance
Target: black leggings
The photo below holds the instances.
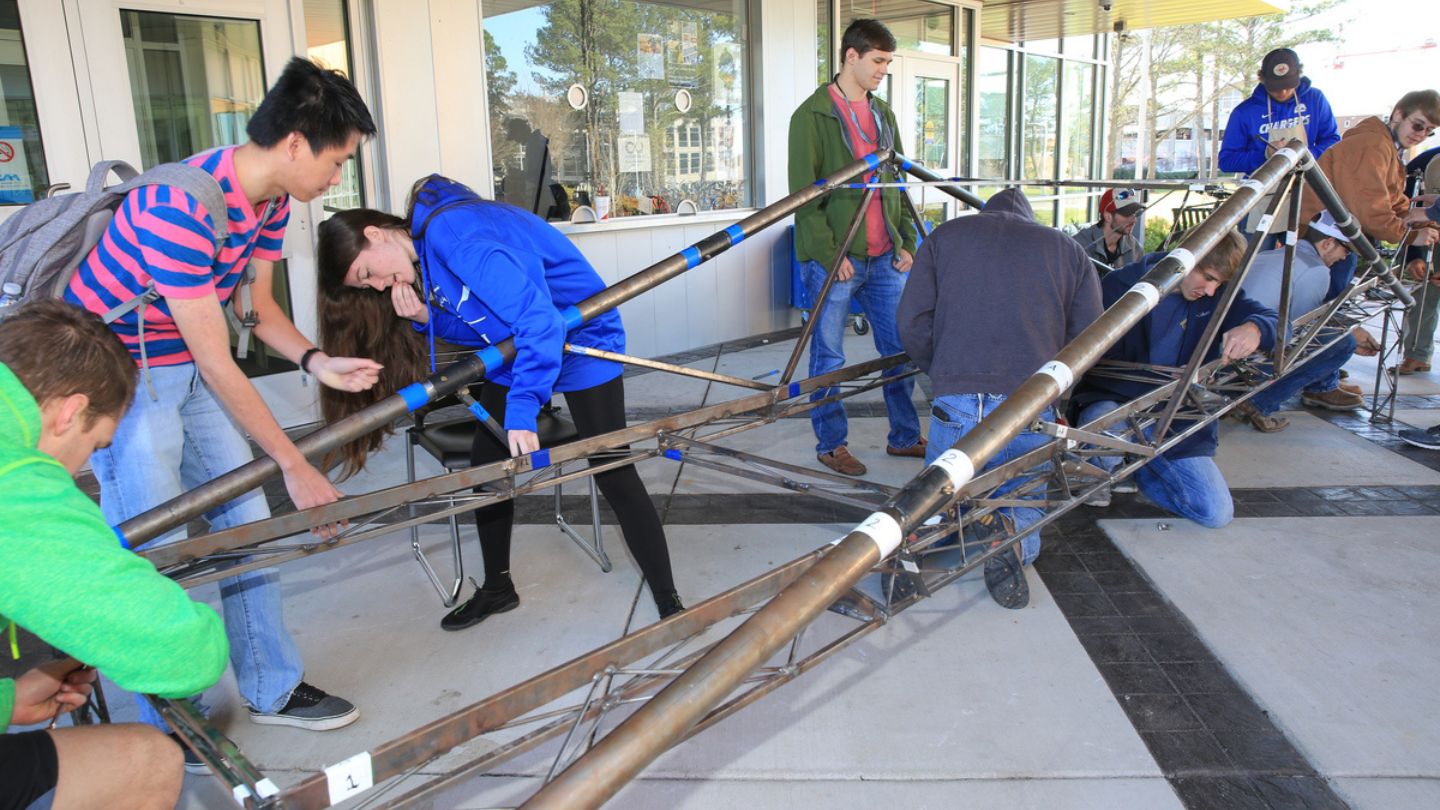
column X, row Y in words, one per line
column 596, row 410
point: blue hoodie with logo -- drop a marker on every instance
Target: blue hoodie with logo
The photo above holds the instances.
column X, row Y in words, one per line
column 1247, row 132
column 493, row 271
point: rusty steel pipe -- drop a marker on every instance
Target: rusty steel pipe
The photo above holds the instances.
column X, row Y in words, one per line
column 177, row 511
column 636, row 742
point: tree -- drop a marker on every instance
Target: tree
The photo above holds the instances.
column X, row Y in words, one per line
column 500, row 83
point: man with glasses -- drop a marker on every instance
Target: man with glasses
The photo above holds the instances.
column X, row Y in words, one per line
column 1109, row 242
column 1367, row 170
column 1317, row 381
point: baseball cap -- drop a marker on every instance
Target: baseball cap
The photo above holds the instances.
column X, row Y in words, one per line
column 1326, row 224
column 1280, row 70
column 1124, row 201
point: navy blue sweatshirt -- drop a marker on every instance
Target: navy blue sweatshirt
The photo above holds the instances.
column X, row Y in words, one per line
column 1168, row 336
column 993, row 297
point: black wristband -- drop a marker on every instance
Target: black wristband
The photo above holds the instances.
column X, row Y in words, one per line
column 305, row 359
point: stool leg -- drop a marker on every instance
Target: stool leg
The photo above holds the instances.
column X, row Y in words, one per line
column 594, row 548
column 447, row 599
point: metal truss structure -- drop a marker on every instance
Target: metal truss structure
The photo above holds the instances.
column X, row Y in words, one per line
column 642, row 693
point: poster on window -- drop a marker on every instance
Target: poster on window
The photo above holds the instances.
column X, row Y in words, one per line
column 14, row 170
column 650, row 55
column 634, row 151
column 726, row 91
column 631, row 108
column 682, row 54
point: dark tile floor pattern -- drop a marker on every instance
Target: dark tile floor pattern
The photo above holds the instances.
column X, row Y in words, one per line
column 1212, row 742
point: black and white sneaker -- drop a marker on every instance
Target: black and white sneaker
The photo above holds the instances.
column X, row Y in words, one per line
column 312, row 709
column 1428, row 439
column 193, row 762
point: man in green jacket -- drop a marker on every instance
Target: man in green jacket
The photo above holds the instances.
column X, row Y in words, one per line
column 65, row 380
column 840, row 123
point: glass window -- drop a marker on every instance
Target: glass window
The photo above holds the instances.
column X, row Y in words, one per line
column 932, row 121
column 824, row 36
column 195, row 81
column 327, row 42
column 916, row 24
column 1051, row 46
column 1081, row 46
column 994, row 140
column 1038, row 139
column 1075, row 161
column 23, row 177
column 653, row 74
column 1074, row 212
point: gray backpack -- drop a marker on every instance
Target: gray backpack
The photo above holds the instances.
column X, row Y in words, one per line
column 43, row 243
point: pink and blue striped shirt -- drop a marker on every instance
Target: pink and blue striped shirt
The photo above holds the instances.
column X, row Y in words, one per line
column 164, row 235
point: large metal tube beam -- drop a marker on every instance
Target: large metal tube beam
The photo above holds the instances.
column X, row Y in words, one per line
column 196, row 502
column 1372, row 260
column 623, row 753
column 964, row 195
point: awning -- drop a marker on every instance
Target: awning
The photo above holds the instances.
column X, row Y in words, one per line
column 1016, row 20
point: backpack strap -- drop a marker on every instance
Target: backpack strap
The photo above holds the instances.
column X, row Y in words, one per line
column 245, row 324
column 101, row 172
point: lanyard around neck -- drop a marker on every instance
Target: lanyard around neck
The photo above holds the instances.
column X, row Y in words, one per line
column 859, row 130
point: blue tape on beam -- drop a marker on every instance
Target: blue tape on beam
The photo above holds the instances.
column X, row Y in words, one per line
column 414, row 396
column 540, row 458
column 479, row 411
column 819, row 182
column 736, row 234
column 906, row 164
column 692, row 257
column 674, row 455
column 119, row 535
column 794, row 390
column 572, row 317
column 872, row 161
column 492, row 358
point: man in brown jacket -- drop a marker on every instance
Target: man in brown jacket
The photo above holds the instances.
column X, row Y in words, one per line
column 1368, row 172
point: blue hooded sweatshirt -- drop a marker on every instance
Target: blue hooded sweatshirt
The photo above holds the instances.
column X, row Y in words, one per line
column 493, row 271
column 1247, row 132
column 1168, row 336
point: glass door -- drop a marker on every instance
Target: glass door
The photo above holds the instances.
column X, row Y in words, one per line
column 169, row 80
column 927, row 102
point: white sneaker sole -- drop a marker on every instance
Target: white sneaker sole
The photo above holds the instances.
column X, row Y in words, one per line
column 307, row 724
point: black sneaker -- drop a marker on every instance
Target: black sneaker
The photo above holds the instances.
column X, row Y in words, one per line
column 1005, row 579
column 312, row 709
column 1428, row 439
column 193, row 762
column 668, row 604
column 482, row 604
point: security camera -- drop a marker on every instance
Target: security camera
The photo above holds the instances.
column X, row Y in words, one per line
column 1106, row 5
column 1120, row 27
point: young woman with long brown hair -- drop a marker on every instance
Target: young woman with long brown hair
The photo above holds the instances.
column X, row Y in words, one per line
column 475, row 272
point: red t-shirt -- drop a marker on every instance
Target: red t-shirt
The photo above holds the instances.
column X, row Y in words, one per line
column 860, row 123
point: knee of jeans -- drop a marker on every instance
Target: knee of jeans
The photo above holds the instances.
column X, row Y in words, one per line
column 1216, row 513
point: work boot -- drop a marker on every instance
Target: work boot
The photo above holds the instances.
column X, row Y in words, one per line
column 1246, row 412
column 1335, row 400
column 916, row 450
column 1410, row 366
column 842, row 462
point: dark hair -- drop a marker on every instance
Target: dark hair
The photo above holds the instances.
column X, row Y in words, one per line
column 1224, row 257
column 91, row 359
column 361, row 322
column 1425, row 102
column 866, row 35
column 318, row 103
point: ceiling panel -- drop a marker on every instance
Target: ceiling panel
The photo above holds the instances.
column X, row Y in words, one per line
column 1016, row 20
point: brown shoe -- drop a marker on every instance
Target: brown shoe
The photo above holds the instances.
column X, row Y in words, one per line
column 1245, row 412
column 842, row 462
column 1410, row 366
column 1335, row 400
column 1352, row 388
column 916, row 450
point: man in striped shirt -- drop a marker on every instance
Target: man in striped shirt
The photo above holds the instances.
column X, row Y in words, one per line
column 189, row 418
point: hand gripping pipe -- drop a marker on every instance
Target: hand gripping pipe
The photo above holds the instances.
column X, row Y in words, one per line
column 149, row 525
column 665, row 719
column 1370, row 258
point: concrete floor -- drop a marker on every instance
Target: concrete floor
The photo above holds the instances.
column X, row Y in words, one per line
column 1327, row 623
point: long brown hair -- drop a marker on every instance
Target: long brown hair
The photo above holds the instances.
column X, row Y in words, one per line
column 356, row 322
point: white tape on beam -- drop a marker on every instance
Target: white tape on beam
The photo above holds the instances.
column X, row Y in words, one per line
column 1148, row 291
column 1059, row 372
column 1185, row 257
column 1288, row 153
column 957, row 466
column 264, row 787
column 1253, row 183
column 349, row 777
column 883, row 529
column 1263, row 226
column 1291, row 238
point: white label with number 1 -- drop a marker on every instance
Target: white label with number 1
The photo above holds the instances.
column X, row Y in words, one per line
column 349, row 777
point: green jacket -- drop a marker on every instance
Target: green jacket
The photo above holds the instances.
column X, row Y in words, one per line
column 65, row 578
column 817, row 149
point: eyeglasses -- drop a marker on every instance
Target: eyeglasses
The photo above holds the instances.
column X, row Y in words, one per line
column 1419, row 124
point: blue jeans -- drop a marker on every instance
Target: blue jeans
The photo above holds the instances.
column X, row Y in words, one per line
column 1321, row 374
column 877, row 286
column 1191, row 487
column 167, row 446
column 962, row 413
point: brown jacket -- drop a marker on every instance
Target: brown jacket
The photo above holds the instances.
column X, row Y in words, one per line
column 1365, row 169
